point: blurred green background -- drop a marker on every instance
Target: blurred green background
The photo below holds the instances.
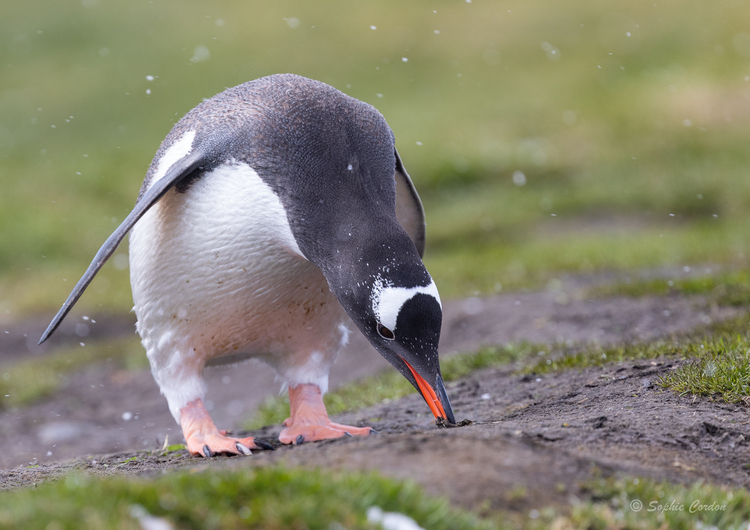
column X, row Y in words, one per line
column 544, row 137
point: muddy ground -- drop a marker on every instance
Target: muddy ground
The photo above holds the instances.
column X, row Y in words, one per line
column 533, row 442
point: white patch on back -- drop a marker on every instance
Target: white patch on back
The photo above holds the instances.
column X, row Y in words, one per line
column 387, row 301
column 177, row 151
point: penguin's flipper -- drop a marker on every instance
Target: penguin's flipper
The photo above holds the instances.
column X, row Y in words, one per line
column 409, row 211
column 179, row 170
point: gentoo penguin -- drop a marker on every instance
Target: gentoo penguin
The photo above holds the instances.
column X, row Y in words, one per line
column 269, row 213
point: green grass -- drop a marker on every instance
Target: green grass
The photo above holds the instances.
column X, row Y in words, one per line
column 722, row 371
column 728, row 288
column 29, row 380
column 599, row 129
column 269, row 498
column 391, row 385
column 279, row 498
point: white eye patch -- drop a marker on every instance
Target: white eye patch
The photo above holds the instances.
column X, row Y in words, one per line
column 388, row 301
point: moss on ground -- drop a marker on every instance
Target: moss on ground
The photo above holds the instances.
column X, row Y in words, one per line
column 718, row 366
column 722, row 371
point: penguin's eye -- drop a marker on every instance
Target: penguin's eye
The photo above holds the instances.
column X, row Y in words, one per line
column 385, row 332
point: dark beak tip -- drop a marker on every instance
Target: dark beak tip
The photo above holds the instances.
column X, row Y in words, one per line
column 450, row 418
column 444, row 401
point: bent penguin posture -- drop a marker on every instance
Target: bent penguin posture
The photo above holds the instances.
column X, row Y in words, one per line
column 271, row 212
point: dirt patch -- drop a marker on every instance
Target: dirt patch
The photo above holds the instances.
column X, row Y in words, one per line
column 534, row 440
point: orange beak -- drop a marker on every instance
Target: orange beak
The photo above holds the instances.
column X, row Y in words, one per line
column 428, row 393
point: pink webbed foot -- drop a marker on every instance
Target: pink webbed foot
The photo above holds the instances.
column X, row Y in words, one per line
column 204, row 439
column 309, row 420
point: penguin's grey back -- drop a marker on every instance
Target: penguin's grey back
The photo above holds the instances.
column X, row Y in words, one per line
column 329, row 157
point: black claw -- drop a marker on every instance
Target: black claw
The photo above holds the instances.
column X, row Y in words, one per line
column 264, row 445
column 347, row 433
column 300, row 440
column 373, row 431
column 207, row 451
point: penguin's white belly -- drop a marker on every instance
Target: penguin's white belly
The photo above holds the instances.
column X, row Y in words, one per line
column 216, row 270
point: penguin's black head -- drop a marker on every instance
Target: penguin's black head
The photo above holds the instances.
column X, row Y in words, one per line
column 397, row 307
column 408, row 322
